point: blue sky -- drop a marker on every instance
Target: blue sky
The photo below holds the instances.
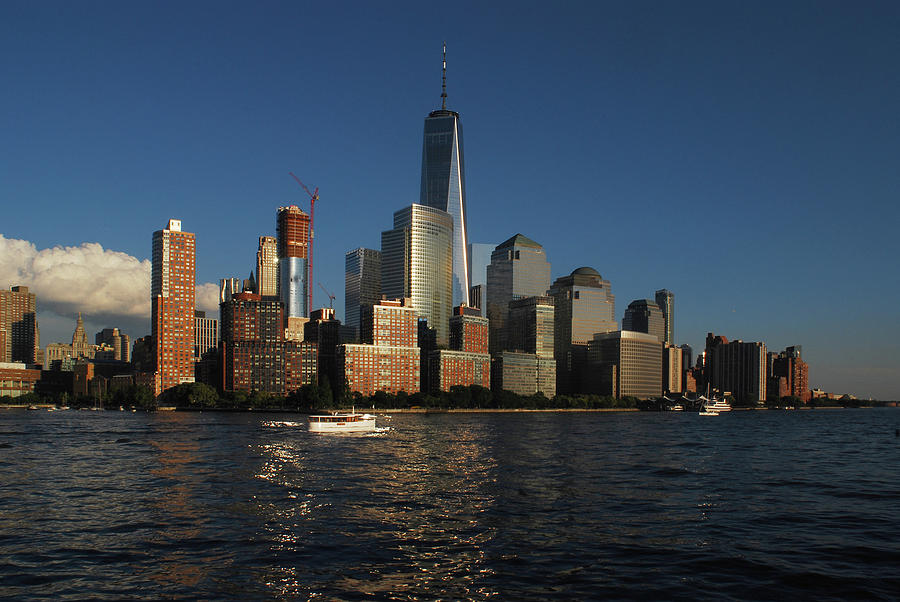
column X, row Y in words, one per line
column 742, row 155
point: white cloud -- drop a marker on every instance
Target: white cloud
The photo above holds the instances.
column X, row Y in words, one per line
column 104, row 284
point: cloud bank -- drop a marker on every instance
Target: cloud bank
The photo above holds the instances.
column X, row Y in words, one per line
column 106, row 285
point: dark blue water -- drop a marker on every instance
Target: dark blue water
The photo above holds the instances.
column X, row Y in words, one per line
column 547, row 506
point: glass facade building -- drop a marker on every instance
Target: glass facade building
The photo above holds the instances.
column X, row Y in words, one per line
column 362, row 284
column 293, row 261
column 416, row 263
column 643, row 315
column 626, row 364
column 518, row 269
column 584, row 306
column 444, row 187
column 267, row 266
column 666, row 301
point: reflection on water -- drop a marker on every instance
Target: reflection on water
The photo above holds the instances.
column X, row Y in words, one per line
column 462, row 507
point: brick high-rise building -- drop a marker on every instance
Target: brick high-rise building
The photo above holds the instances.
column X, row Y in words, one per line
column 267, row 266
column 467, row 362
column 389, row 360
column 789, row 365
column 736, row 367
column 293, row 260
column 468, row 330
column 18, row 321
column 255, row 354
column 172, row 297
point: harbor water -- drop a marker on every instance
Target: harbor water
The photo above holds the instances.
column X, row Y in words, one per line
column 473, row 506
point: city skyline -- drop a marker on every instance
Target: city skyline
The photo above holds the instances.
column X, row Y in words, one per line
column 756, row 148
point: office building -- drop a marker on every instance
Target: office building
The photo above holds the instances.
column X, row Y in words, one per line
column 523, row 373
column 479, row 259
column 416, row 264
column 673, row 369
column 267, row 266
column 624, row 363
column 389, row 358
column 736, row 368
column 644, row 315
column 362, row 284
column 324, row 331
column 518, row 269
column 666, row 301
column 531, row 325
column 444, row 187
column 255, row 354
column 18, row 326
column 293, row 260
column 206, row 334
column 172, row 296
column 584, row 305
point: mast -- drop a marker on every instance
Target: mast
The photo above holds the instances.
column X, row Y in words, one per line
column 444, row 80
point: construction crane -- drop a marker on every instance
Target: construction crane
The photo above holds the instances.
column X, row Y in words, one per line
column 313, row 197
column 330, row 296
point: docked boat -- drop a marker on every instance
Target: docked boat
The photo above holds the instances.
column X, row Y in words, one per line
column 342, row 422
column 705, row 412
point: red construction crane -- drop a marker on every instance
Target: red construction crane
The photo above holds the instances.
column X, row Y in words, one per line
column 330, row 296
column 313, row 197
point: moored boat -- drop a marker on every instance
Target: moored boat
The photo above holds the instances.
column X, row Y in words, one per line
column 342, row 422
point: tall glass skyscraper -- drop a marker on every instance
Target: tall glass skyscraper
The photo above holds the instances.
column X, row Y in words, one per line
column 518, row 269
column 444, row 183
column 415, row 263
column 362, row 284
column 293, row 260
column 666, row 301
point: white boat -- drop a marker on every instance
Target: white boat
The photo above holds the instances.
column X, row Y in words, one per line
column 708, row 413
column 714, row 405
column 342, row 422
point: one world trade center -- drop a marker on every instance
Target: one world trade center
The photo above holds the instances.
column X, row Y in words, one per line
column 444, row 182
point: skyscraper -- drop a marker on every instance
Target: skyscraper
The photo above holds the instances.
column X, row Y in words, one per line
column 389, row 359
column 362, row 283
column 18, row 326
column 643, row 315
column 518, row 269
column 255, row 355
column 172, row 295
column 444, row 183
column 416, row 264
column 293, row 260
column 666, row 301
column 267, row 266
column 479, row 259
column 584, row 306
column 625, row 363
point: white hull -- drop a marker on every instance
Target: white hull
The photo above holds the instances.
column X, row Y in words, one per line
column 342, row 423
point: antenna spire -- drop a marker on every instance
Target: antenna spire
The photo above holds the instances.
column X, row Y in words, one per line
column 444, row 80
